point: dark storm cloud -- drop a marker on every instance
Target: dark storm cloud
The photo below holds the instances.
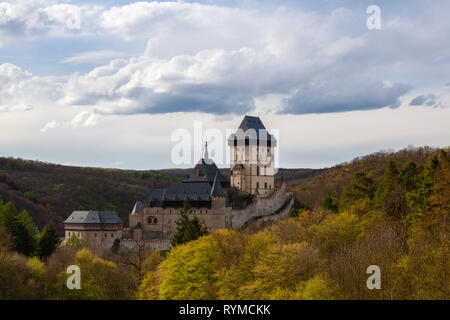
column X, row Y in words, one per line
column 342, row 95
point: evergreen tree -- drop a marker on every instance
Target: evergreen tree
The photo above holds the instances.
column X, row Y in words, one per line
column 116, row 246
column 48, row 241
column 20, row 227
column 362, row 187
column 391, row 196
column 188, row 229
column 331, row 204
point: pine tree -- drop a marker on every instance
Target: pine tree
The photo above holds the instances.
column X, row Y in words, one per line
column 391, row 196
column 48, row 241
column 362, row 187
column 20, row 227
column 188, row 229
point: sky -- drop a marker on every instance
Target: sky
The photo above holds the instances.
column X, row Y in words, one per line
column 107, row 83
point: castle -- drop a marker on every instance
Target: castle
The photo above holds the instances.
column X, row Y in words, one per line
column 251, row 172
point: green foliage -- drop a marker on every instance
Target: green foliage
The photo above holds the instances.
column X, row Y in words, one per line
column 30, row 195
column 188, row 229
column 47, row 243
column 146, row 175
column 20, row 226
column 188, row 271
column 74, row 242
column 361, row 187
column 331, row 203
column 100, row 279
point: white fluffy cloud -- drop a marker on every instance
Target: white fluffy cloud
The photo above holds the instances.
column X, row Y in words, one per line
column 38, row 18
column 20, row 90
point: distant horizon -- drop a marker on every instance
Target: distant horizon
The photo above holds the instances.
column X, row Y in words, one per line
column 190, row 167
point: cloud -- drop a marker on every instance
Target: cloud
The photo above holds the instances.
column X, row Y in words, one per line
column 21, row 91
column 438, row 99
column 220, row 60
column 338, row 95
column 83, row 119
column 99, row 56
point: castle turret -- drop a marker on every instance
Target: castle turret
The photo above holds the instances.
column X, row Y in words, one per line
column 252, row 157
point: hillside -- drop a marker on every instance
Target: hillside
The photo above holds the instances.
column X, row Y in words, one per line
column 51, row 192
column 311, row 190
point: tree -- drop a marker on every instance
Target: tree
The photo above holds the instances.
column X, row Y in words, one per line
column 188, row 229
column 361, row 187
column 48, row 241
column 21, row 228
column 116, row 246
column 391, row 196
column 75, row 242
column 331, row 203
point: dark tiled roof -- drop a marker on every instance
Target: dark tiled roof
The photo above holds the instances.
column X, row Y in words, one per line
column 96, row 217
column 216, row 190
column 207, row 171
column 179, row 192
column 255, row 123
column 137, row 207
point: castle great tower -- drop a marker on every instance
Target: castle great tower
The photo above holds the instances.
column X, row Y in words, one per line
column 252, row 157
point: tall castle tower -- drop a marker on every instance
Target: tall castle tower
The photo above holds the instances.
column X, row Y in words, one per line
column 252, row 157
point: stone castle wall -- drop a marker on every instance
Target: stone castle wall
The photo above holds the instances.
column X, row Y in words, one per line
column 263, row 206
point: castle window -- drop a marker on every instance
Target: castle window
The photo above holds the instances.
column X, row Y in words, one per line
column 95, row 235
column 105, row 234
column 112, row 235
column 257, row 184
column 265, row 185
column 152, row 220
column 257, row 170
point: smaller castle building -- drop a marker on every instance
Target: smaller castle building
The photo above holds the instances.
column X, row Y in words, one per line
column 156, row 216
column 94, row 227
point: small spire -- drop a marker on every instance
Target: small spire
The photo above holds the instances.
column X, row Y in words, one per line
column 206, row 151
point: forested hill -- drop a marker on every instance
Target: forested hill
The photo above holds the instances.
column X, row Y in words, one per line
column 314, row 189
column 50, row 192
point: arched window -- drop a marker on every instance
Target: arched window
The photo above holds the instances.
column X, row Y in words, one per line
column 155, row 221
column 257, row 170
column 265, row 185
